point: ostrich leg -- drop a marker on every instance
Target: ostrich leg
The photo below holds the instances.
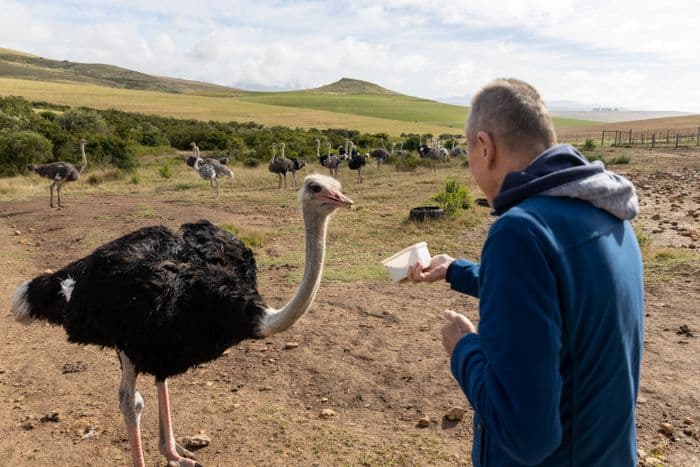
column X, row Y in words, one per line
column 294, row 176
column 58, row 192
column 168, row 447
column 51, row 193
column 131, row 405
column 279, row 185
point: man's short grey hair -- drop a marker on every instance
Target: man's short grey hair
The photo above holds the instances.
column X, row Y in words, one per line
column 513, row 112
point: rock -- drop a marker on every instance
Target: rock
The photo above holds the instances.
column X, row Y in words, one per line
column 17, row 232
column 424, row 422
column 327, row 413
column 28, row 426
column 687, row 421
column 52, row 417
column 173, row 464
column 455, row 413
column 651, row 462
column 197, row 441
column 666, row 428
column 324, row 399
column 76, row 367
column 291, row 345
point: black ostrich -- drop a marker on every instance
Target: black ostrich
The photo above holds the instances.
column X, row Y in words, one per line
column 167, row 301
column 281, row 166
column 60, row 173
column 357, row 161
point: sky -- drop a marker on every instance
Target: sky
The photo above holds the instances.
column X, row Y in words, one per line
column 605, row 53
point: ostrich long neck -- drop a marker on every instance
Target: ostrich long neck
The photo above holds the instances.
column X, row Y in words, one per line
column 83, row 163
column 276, row 321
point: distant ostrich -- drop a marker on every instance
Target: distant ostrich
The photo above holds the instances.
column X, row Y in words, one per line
column 209, row 160
column 455, row 151
column 357, row 161
column 61, row 173
column 431, row 152
column 331, row 162
column 280, row 166
column 380, row 154
column 211, row 171
column 168, row 301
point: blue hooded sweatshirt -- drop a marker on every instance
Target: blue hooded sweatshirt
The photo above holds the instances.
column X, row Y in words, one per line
column 553, row 373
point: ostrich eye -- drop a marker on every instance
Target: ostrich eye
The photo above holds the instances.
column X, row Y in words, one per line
column 315, row 188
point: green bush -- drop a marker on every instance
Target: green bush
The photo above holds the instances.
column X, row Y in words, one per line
column 166, row 170
column 406, row 163
column 589, row 145
column 454, row 197
column 619, row 160
column 21, row 148
column 250, row 162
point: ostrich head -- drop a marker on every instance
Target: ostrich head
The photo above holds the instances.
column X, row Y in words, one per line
column 192, row 144
column 83, row 141
column 321, row 194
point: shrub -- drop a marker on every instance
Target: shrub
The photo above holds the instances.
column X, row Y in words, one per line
column 406, row 163
column 21, row 148
column 589, row 145
column 250, row 162
column 619, row 160
column 454, row 197
column 166, row 170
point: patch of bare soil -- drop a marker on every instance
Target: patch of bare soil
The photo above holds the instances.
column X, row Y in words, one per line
column 369, row 351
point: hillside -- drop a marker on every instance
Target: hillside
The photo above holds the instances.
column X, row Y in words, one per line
column 353, row 86
column 347, row 103
column 20, row 65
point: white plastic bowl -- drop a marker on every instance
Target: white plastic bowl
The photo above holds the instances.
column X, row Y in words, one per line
column 397, row 266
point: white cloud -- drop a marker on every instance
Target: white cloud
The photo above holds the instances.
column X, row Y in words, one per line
column 620, row 53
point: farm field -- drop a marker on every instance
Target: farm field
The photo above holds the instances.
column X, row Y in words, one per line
column 368, row 349
column 370, row 113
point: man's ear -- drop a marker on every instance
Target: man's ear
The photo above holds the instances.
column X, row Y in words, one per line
column 488, row 148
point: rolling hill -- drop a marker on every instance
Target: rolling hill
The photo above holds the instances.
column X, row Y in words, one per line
column 347, row 103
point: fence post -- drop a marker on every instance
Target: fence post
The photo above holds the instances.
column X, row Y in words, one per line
column 653, row 140
column 698, row 140
column 630, row 139
column 676, row 139
column 602, row 137
column 668, row 141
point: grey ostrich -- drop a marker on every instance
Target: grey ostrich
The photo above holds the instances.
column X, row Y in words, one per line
column 331, row 162
column 209, row 160
column 380, row 154
column 60, row 173
column 168, row 301
column 211, row 171
column 280, row 166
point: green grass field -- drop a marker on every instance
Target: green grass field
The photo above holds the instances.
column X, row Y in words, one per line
column 374, row 113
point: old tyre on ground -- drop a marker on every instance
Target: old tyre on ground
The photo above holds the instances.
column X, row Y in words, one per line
column 423, row 213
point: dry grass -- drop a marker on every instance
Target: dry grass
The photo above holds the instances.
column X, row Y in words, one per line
column 205, row 108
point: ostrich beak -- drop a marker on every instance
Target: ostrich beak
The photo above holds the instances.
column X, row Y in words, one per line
column 336, row 198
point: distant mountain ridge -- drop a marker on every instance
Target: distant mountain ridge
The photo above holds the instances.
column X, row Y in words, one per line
column 20, row 65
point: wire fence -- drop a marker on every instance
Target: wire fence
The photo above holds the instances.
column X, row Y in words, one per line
column 652, row 139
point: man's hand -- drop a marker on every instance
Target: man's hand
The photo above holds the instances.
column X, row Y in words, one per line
column 434, row 272
column 456, row 327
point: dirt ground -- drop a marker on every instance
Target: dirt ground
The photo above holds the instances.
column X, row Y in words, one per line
column 368, row 350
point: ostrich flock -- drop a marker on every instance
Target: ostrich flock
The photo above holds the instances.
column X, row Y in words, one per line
column 211, row 169
column 166, row 300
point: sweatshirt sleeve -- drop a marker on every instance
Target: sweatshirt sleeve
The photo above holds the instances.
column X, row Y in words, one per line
column 510, row 370
column 463, row 276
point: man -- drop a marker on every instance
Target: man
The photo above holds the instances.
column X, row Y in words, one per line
column 553, row 373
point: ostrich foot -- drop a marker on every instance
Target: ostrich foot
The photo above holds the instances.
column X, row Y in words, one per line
column 177, row 461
